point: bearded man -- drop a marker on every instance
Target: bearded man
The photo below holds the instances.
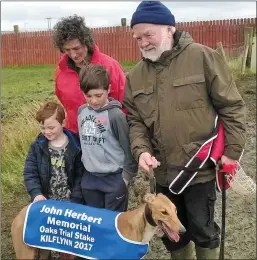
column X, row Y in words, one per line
column 174, row 96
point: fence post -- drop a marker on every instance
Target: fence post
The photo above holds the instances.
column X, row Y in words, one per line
column 16, row 35
column 253, row 58
column 249, row 31
column 16, row 28
column 123, row 21
column 246, row 48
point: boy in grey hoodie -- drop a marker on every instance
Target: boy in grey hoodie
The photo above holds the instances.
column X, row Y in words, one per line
column 104, row 136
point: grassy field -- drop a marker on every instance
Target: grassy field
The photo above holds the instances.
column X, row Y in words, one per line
column 23, row 86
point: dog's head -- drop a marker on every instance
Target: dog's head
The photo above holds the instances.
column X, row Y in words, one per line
column 164, row 214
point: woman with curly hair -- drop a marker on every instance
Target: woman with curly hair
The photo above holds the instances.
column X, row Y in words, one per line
column 74, row 39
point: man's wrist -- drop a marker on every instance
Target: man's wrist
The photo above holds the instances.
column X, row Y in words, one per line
column 139, row 154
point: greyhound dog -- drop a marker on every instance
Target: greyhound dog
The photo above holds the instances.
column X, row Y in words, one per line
column 139, row 225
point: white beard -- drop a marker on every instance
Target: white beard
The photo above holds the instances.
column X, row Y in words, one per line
column 156, row 52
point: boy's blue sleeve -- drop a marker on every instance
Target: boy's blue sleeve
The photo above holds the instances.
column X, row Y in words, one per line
column 31, row 175
column 76, row 194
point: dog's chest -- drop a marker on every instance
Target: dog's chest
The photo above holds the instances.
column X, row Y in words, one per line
column 148, row 233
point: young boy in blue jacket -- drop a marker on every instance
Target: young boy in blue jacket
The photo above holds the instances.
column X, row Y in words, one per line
column 104, row 138
column 53, row 167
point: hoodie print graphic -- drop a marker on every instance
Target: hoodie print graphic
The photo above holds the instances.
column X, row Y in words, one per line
column 92, row 129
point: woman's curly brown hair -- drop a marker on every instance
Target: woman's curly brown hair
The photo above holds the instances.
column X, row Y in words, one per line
column 70, row 28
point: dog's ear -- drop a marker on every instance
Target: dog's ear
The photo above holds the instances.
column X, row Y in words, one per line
column 149, row 198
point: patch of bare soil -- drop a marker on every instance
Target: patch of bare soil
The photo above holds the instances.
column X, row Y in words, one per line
column 9, row 211
column 241, row 213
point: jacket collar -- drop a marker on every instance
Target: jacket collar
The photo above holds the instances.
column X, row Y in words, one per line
column 73, row 140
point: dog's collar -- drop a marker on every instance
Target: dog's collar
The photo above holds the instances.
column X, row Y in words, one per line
column 148, row 216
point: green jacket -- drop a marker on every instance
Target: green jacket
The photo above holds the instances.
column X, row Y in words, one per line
column 172, row 105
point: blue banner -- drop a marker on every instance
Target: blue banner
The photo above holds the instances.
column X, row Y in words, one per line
column 78, row 230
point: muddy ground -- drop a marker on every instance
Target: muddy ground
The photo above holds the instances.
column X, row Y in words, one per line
column 241, row 212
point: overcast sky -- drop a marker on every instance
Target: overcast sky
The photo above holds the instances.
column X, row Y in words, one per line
column 32, row 15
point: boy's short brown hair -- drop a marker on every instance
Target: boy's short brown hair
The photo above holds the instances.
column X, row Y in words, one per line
column 49, row 109
column 94, row 76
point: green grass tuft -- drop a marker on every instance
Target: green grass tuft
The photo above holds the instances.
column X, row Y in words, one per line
column 235, row 65
column 16, row 138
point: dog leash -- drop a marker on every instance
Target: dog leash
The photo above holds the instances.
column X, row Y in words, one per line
column 152, row 181
column 148, row 212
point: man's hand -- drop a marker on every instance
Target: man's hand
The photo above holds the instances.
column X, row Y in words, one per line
column 228, row 165
column 146, row 161
column 38, row 198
